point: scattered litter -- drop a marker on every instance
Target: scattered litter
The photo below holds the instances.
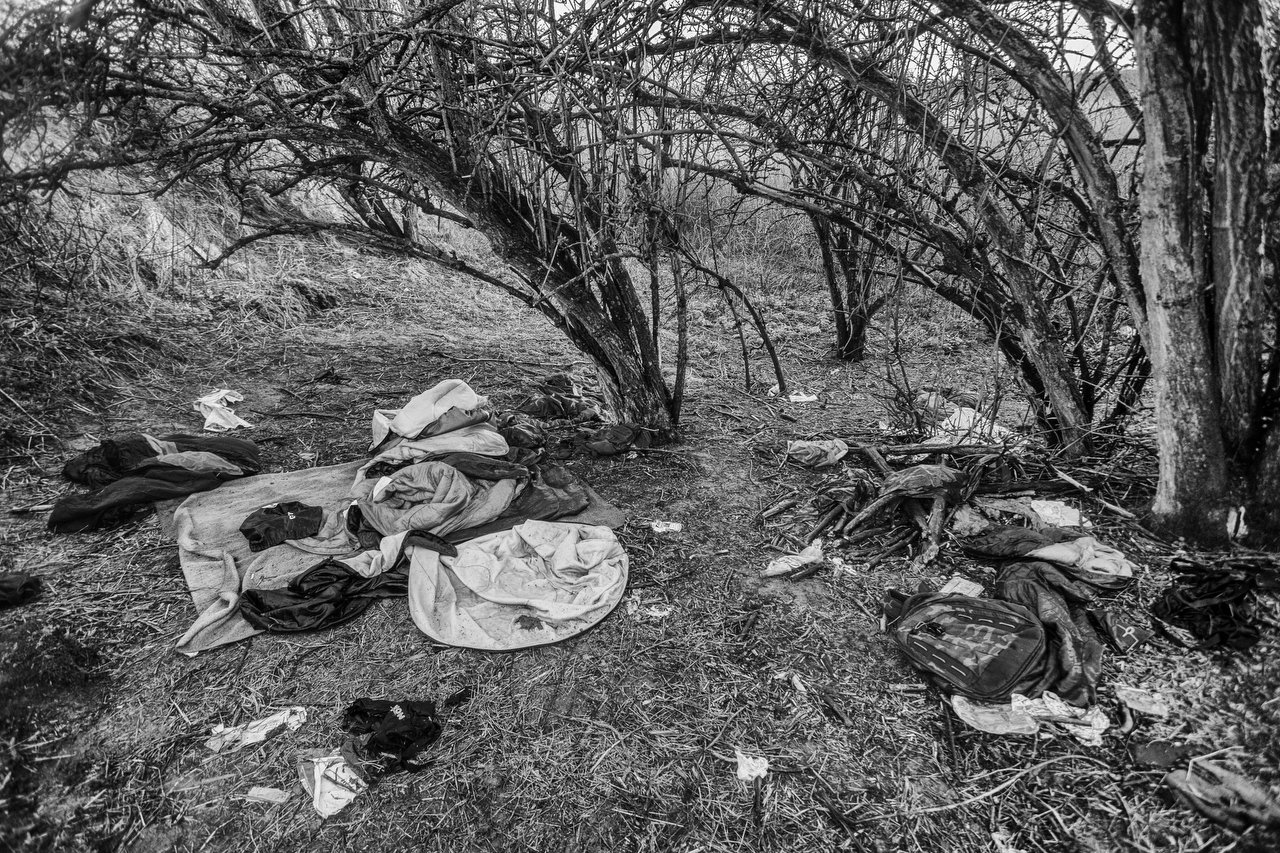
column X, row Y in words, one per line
column 1059, row 514
column 652, row 610
column 996, row 719
column 795, row 397
column 666, row 526
column 230, row 739
column 267, row 795
column 1086, row 725
column 959, row 585
column 1143, row 701
column 798, row 683
column 817, row 454
column 331, row 783
column 1236, row 528
column 790, row 562
column 840, row 567
column 218, row 416
column 1223, row 796
column 750, row 767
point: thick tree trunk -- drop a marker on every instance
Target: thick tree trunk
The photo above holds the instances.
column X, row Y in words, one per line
column 1191, row 496
column 1232, row 54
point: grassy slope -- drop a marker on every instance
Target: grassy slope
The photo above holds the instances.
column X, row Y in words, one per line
column 623, row 739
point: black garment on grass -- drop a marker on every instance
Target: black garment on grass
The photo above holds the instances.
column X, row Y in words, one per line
column 1215, row 602
column 276, row 523
column 128, row 478
column 328, row 594
column 399, row 733
column 18, row 589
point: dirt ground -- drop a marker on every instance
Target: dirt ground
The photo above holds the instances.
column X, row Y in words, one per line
column 623, row 739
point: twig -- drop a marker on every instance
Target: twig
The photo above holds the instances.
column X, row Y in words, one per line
column 1120, row 511
column 1007, row 783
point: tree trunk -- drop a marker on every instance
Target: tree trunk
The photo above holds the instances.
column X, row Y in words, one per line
column 1191, row 496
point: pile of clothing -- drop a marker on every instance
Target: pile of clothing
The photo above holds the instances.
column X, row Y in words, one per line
column 1035, row 646
column 492, row 553
column 128, row 474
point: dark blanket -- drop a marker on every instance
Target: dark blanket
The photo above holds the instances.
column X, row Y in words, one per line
column 131, row 472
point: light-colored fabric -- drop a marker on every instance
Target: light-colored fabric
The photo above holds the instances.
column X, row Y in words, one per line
column 218, row 416
column 477, row 438
column 423, row 409
column 817, row 454
column 437, row 498
column 215, row 556
column 538, row 583
column 200, row 461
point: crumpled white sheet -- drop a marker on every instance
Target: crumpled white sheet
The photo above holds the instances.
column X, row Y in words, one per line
column 331, row 783
column 1023, row 716
column 231, row 738
column 477, row 438
column 423, row 409
column 966, row 424
column 817, row 454
column 537, row 583
column 790, row 562
column 218, row 416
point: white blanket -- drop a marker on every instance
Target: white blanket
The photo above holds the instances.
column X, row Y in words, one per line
column 538, row 583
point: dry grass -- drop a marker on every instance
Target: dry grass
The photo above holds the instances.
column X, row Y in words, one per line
column 622, row 739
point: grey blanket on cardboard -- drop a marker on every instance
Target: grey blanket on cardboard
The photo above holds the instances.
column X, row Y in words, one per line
column 218, row 564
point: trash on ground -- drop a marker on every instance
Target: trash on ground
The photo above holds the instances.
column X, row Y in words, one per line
column 231, row 738
column 1143, row 701
column 751, row 767
column 218, row 415
column 331, row 782
column 275, row 796
column 790, row 562
column 817, row 454
column 961, row 586
column 997, row 718
column 1059, row 514
column 666, row 526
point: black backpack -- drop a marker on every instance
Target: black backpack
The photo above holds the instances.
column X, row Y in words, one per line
column 983, row 649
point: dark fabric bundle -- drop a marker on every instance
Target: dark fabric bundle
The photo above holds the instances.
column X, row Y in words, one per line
column 551, row 493
column 520, row 430
column 920, row 481
column 1008, row 542
column 274, row 524
column 399, row 733
column 1048, row 593
column 328, row 594
column 558, row 406
column 133, row 471
column 17, row 589
column 1214, row 603
column 615, row 439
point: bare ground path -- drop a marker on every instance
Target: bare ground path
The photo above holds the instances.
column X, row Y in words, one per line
column 622, row 739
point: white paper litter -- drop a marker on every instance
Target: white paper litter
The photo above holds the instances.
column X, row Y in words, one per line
column 750, row 767
column 1023, row 716
column 1059, row 514
column 1143, row 701
column 790, row 562
column 275, row 796
column 218, row 416
column 331, row 783
column 958, row 585
column 666, row 526
column 230, row 739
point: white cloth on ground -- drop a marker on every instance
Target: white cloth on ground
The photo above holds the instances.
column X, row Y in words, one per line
column 230, row 738
column 538, row 583
column 331, row 783
column 419, row 412
column 218, row 416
